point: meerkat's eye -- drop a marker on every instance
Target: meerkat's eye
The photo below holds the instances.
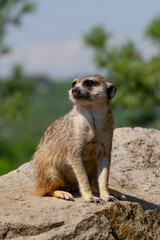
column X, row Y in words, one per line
column 73, row 84
column 89, row 83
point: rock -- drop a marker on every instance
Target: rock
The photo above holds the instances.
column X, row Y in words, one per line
column 135, row 171
column 135, row 168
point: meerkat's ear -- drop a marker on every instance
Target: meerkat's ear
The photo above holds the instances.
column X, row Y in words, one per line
column 111, row 90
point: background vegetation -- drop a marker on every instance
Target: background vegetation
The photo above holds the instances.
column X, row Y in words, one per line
column 29, row 104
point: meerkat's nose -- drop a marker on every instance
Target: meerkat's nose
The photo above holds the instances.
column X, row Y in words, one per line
column 75, row 91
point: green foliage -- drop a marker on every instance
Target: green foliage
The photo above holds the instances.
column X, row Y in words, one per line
column 153, row 30
column 14, row 93
column 7, row 155
column 11, row 13
column 97, row 37
column 137, row 79
column 14, row 90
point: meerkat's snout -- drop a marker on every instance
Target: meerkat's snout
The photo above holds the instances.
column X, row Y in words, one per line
column 78, row 94
column 75, row 91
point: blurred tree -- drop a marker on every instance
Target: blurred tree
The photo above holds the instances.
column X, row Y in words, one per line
column 137, row 79
column 14, row 93
column 153, row 29
column 15, row 89
column 11, row 13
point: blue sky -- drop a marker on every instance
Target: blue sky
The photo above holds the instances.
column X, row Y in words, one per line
column 50, row 39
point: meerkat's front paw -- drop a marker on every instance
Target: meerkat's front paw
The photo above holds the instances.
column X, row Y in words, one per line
column 110, row 199
column 63, row 195
column 93, row 200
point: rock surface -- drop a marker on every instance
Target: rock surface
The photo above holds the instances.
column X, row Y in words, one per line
column 135, row 171
column 135, row 168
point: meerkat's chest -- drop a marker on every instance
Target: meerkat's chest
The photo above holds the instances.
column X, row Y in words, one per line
column 93, row 150
column 91, row 135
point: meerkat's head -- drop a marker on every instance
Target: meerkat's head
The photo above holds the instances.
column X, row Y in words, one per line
column 92, row 89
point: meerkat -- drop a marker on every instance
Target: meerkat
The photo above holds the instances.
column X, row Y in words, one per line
column 75, row 151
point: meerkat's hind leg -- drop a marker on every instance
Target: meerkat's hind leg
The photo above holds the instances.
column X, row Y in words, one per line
column 63, row 195
column 58, row 192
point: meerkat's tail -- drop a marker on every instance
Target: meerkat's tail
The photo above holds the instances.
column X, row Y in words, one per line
column 47, row 186
column 50, row 191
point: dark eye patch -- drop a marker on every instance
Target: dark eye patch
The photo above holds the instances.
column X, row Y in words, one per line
column 73, row 84
column 90, row 83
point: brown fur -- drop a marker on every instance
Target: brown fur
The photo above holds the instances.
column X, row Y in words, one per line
column 76, row 149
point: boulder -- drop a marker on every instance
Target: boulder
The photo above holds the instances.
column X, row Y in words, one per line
column 135, row 171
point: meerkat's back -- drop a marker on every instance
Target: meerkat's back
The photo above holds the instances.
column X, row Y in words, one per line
column 60, row 129
column 51, row 155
